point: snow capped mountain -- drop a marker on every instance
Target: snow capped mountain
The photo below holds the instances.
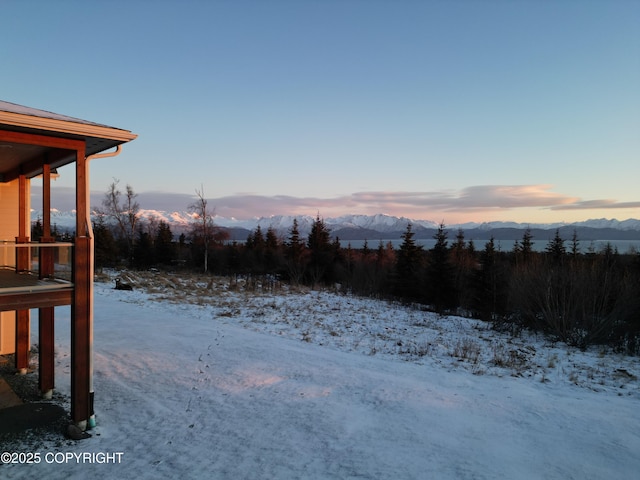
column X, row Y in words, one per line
column 384, row 224
column 282, row 223
column 379, row 222
column 389, row 224
column 487, row 226
column 629, row 224
column 63, row 220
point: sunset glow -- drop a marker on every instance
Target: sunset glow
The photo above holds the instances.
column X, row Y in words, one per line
column 454, row 111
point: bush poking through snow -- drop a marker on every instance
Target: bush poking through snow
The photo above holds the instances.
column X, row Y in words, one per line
column 467, row 349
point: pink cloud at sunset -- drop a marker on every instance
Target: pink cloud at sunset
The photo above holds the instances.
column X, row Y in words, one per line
column 475, row 203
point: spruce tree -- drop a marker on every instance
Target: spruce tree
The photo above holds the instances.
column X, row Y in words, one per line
column 143, row 251
column 258, row 239
column 555, row 248
column 575, row 244
column 295, row 245
column 295, row 254
column 458, row 248
column 165, row 249
column 407, row 281
column 462, row 260
column 366, row 251
column 523, row 251
column 321, row 252
column 271, row 239
column 490, row 284
column 37, row 230
column 319, row 238
column 255, row 249
column 527, row 242
column 272, row 250
column 105, row 248
column 440, row 287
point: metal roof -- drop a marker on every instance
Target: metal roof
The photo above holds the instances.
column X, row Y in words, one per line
column 34, row 112
column 27, row 158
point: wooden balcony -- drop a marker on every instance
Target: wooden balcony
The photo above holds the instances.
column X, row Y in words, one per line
column 43, row 281
column 32, row 143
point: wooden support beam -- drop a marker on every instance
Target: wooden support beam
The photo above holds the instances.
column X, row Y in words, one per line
column 24, row 214
column 23, row 327
column 46, row 267
column 81, row 309
column 22, row 341
column 41, row 140
column 23, row 254
column 47, row 255
column 41, row 299
column 46, row 315
column 46, row 200
column 82, row 195
column 80, row 332
column 63, row 152
column 46, row 378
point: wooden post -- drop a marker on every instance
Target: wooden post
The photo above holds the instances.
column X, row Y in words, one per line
column 23, row 262
column 80, row 333
column 81, row 307
column 46, row 316
column 46, row 379
column 22, row 341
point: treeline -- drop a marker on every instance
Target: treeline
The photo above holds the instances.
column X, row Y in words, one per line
column 579, row 298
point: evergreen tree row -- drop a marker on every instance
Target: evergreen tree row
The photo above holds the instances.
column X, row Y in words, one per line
column 582, row 299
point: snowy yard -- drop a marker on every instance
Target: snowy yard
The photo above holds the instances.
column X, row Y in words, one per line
column 196, row 379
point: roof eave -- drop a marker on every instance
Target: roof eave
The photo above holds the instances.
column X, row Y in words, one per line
column 66, row 127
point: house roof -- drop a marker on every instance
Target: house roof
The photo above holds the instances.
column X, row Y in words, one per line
column 18, row 157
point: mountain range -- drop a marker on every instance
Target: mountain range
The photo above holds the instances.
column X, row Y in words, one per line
column 387, row 227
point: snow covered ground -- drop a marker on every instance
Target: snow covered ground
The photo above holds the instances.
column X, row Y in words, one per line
column 203, row 379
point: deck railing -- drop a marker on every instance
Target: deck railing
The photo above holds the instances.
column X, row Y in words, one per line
column 46, row 261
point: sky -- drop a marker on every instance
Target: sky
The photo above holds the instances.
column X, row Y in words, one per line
column 451, row 111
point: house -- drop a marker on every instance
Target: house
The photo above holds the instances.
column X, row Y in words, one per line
column 40, row 273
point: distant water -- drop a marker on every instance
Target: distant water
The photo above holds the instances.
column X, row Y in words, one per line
column 623, row 246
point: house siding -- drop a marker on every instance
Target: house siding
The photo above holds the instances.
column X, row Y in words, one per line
column 8, row 232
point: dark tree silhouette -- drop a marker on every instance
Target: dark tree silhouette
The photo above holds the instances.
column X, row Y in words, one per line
column 440, row 285
column 407, row 281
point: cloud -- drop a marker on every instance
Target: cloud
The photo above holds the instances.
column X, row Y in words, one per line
column 63, row 198
column 512, row 196
column 425, row 204
column 481, row 197
column 597, row 204
column 421, row 204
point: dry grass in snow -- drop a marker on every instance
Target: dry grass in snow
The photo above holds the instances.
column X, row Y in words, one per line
column 375, row 327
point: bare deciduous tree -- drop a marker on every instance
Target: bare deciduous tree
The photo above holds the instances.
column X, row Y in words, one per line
column 203, row 226
column 123, row 211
